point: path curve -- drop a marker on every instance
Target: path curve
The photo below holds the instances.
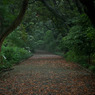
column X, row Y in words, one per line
column 47, row 74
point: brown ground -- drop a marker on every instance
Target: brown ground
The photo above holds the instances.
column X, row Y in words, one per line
column 47, row 74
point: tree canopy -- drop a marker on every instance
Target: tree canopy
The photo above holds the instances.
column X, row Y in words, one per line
column 65, row 26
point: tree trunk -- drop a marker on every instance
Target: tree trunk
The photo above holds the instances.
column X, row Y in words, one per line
column 16, row 22
column 14, row 25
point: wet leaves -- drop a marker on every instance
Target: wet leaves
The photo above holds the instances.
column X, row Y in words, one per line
column 47, row 74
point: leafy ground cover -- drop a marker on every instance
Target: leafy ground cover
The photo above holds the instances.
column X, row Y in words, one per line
column 47, row 74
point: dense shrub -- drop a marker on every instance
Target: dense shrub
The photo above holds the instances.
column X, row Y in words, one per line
column 12, row 55
column 15, row 54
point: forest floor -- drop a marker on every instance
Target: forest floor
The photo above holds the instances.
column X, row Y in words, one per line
column 47, row 74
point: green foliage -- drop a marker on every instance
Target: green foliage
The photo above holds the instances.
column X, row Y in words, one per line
column 9, row 10
column 39, row 44
column 49, row 41
column 59, row 27
column 16, row 47
column 74, row 57
column 79, row 43
column 92, row 68
column 85, row 65
column 15, row 54
column 5, row 66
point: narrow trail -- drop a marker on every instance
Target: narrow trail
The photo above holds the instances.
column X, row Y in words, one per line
column 47, row 74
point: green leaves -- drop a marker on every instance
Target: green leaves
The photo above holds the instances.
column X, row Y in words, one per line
column 14, row 54
column 91, row 33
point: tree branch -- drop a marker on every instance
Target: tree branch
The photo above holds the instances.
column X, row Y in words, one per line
column 53, row 10
column 16, row 22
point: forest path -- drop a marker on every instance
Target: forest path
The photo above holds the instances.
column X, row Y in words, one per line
column 47, row 74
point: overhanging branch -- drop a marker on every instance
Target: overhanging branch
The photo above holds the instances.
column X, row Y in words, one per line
column 53, row 10
column 16, row 22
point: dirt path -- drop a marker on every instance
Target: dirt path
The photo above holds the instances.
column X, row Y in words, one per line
column 47, row 74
